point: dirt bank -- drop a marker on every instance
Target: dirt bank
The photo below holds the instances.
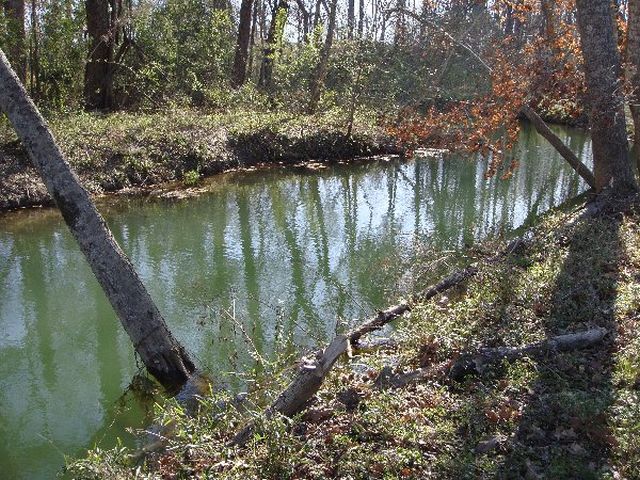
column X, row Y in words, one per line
column 120, row 151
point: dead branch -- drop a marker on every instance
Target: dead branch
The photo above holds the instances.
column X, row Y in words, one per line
column 477, row 363
column 314, row 369
column 304, row 386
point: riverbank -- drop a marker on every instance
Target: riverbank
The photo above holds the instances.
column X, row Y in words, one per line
column 570, row 414
column 136, row 151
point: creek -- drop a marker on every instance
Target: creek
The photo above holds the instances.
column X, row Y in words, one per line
column 259, row 259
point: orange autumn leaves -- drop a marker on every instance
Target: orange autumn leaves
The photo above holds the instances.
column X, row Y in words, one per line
column 540, row 66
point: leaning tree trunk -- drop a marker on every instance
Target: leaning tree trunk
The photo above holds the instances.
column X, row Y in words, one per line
column 17, row 42
column 539, row 124
column 566, row 153
column 320, row 73
column 633, row 73
column 161, row 353
column 239, row 72
column 598, row 38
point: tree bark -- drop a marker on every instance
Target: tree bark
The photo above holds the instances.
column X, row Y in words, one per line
column 305, row 17
column 633, row 73
column 559, row 145
column 478, row 362
column 351, row 18
column 274, row 36
column 98, row 79
column 400, row 32
column 304, row 386
column 320, row 73
column 252, row 37
column 239, row 72
column 161, row 353
column 598, row 39
column 17, row 42
column 386, row 316
column 316, row 14
column 35, row 53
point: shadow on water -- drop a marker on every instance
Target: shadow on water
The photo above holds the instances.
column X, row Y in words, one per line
column 285, row 254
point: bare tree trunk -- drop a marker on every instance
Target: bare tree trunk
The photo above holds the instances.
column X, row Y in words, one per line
column 316, row 14
column 276, row 28
column 633, row 73
column 509, row 21
column 361, row 13
column 239, row 72
column 17, row 51
column 305, row 17
column 400, row 32
column 35, row 52
column 262, row 19
column 252, row 38
column 161, row 353
column 351, row 18
column 374, row 20
column 317, row 81
column 598, row 38
column 98, row 88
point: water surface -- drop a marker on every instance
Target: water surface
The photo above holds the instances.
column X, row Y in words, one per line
column 282, row 253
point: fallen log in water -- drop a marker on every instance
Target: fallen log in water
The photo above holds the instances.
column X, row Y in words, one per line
column 386, row 316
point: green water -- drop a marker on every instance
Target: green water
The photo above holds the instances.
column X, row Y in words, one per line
column 285, row 253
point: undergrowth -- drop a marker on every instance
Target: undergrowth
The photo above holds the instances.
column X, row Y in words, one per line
column 563, row 415
column 123, row 150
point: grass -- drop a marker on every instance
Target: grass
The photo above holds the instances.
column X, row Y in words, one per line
column 565, row 415
column 123, row 150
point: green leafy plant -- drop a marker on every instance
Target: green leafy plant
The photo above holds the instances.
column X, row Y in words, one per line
column 191, row 178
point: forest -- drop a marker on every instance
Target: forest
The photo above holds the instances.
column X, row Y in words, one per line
column 320, row 239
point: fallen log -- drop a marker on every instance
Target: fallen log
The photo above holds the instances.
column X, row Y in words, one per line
column 477, row 363
column 304, row 386
column 314, row 369
column 386, row 316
